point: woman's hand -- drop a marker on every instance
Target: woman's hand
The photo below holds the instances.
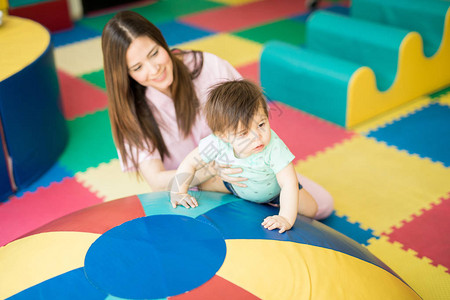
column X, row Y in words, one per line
column 184, row 199
column 276, row 221
column 224, row 172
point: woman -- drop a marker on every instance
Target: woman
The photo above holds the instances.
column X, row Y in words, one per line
column 155, row 100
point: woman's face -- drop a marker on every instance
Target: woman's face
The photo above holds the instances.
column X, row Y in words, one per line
column 149, row 64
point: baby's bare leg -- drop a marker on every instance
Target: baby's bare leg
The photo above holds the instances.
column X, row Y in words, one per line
column 307, row 206
column 214, row 184
column 323, row 198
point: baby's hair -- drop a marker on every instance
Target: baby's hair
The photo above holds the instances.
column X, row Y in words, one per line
column 231, row 103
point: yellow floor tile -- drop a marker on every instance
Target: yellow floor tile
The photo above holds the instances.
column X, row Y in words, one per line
column 109, row 182
column 430, row 282
column 371, row 181
column 445, row 99
column 237, row 51
column 80, row 58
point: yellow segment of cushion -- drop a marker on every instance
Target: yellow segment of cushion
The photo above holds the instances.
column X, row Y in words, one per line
column 36, row 258
column 285, row 270
column 22, row 41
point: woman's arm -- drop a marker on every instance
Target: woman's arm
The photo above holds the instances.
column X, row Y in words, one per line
column 224, row 172
column 154, row 173
column 160, row 179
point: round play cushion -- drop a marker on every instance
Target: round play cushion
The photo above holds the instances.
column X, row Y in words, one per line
column 139, row 247
column 33, row 131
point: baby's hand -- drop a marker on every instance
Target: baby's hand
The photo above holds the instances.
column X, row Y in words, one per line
column 184, row 199
column 276, row 221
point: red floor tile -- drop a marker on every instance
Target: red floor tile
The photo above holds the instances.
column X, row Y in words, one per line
column 428, row 234
column 309, row 135
column 22, row 215
column 250, row 72
column 232, row 18
column 79, row 97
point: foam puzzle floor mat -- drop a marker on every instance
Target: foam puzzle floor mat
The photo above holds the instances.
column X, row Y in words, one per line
column 389, row 177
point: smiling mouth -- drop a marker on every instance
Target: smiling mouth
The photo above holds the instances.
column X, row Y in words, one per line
column 161, row 77
column 260, row 147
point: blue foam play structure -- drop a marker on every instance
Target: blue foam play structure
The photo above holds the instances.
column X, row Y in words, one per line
column 5, row 185
column 33, row 125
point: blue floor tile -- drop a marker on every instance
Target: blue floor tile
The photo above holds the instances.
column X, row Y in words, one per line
column 176, row 33
column 76, row 34
column 425, row 133
column 351, row 230
column 55, row 174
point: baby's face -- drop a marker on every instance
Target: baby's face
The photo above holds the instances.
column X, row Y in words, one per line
column 246, row 142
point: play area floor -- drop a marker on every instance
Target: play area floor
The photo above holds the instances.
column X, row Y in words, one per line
column 390, row 176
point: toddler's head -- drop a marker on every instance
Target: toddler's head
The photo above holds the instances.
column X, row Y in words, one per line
column 233, row 104
column 237, row 112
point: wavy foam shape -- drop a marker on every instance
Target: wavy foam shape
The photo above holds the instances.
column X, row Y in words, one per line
column 416, row 75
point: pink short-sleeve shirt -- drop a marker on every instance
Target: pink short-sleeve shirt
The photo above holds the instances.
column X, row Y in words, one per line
column 214, row 70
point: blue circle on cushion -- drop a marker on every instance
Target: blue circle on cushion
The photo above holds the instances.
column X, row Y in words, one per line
column 155, row 257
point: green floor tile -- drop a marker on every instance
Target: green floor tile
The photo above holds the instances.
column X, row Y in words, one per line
column 168, row 10
column 159, row 12
column 97, row 22
column 96, row 78
column 19, row 3
column 90, row 142
column 438, row 94
column 288, row 31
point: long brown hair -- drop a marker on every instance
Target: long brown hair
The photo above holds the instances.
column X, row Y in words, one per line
column 132, row 120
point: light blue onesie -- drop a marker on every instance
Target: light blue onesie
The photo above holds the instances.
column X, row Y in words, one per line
column 260, row 168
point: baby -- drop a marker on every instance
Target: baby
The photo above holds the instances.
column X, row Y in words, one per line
column 237, row 113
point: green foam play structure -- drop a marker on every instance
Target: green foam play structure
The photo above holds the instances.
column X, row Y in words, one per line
column 351, row 69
